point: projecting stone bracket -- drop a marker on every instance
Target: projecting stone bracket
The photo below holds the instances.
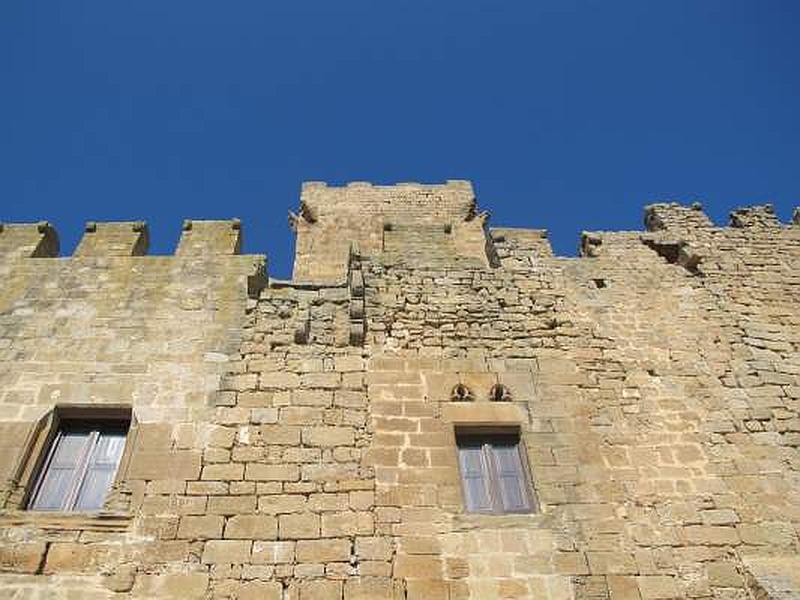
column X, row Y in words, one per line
column 676, row 252
column 591, row 245
column 307, row 215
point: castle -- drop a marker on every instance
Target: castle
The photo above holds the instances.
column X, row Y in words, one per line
column 431, row 409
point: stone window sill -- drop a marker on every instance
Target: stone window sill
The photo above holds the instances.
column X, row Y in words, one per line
column 66, row 521
column 467, row 521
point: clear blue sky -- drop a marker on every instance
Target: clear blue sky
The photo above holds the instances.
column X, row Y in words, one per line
column 565, row 114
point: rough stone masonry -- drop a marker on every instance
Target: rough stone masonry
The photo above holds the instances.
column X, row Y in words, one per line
column 296, row 440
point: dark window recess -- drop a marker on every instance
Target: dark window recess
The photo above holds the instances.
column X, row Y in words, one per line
column 494, row 474
column 599, row 283
column 80, row 466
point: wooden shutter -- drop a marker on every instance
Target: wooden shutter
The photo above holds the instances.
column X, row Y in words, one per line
column 510, row 475
column 475, row 477
column 100, row 470
column 61, row 470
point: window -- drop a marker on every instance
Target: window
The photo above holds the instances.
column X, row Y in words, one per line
column 80, row 466
column 493, row 473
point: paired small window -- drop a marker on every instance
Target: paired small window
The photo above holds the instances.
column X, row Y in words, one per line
column 80, row 466
column 494, row 473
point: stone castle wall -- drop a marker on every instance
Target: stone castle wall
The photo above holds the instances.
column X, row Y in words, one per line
column 295, row 439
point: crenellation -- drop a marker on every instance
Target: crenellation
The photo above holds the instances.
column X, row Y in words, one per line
column 311, row 438
column 201, row 238
column 113, row 239
column 28, row 240
column 671, row 215
column 762, row 216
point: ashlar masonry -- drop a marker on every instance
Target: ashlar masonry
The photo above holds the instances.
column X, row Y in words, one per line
column 432, row 408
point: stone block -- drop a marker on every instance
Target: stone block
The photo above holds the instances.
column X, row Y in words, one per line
column 171, row 586
column 657, row 587
column 180, row 464
column 280, row 435
column 264, row 472
column 374, row 548
column 368, row 588
column 253, row 527
column 323, row 551
column 260, row 590
column 316, row 589
column 273, row 553
column 430, row 589
column 278, row 380
column 347, row 523
column 723, row 574
column 329, row 436
column 298, row 526
column 227, row 552
column 231, row 505
column 200, row 527
column 623, row 588
column 22, row 557
column 711, row 535
column 484, row 413
column 612, row 563
column 226, row 472
column 429, row 567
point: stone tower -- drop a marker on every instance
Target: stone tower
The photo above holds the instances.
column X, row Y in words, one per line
column 432, row 408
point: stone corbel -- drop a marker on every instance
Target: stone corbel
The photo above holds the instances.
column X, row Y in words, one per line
column 293, row 218
column 307, row 212
column 591, row 245
column 472, row 211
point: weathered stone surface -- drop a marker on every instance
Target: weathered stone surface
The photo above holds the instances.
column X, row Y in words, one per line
column 253, row 527
column 204, row 527
column 299, row 439
column 171, row 586
column 25, row 557
column 227, row 551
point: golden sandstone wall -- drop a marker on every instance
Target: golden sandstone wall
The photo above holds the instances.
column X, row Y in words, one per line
column 295, row 439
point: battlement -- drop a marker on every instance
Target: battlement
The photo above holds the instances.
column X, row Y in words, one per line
column 431, row 408
column 406, row 222
column 114, row 239
column 28, row 240
column 210, row 237
column 671, row 215
column 405, row 202
column 755, row 216
column 120, row 239
column 674, row 216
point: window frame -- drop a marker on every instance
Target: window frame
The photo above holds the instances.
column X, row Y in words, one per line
column 42, row 443
column 487, row 439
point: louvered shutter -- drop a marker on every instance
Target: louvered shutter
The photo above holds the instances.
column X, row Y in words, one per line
column 100, row 470
column 475, row 475
column 510, row 477
column 61, row 471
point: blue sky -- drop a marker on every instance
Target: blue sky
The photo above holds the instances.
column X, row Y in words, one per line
column 565, row 114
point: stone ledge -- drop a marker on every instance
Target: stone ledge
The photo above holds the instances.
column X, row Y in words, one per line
column 477, row 521
column 483, row 413
column 63, row 521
